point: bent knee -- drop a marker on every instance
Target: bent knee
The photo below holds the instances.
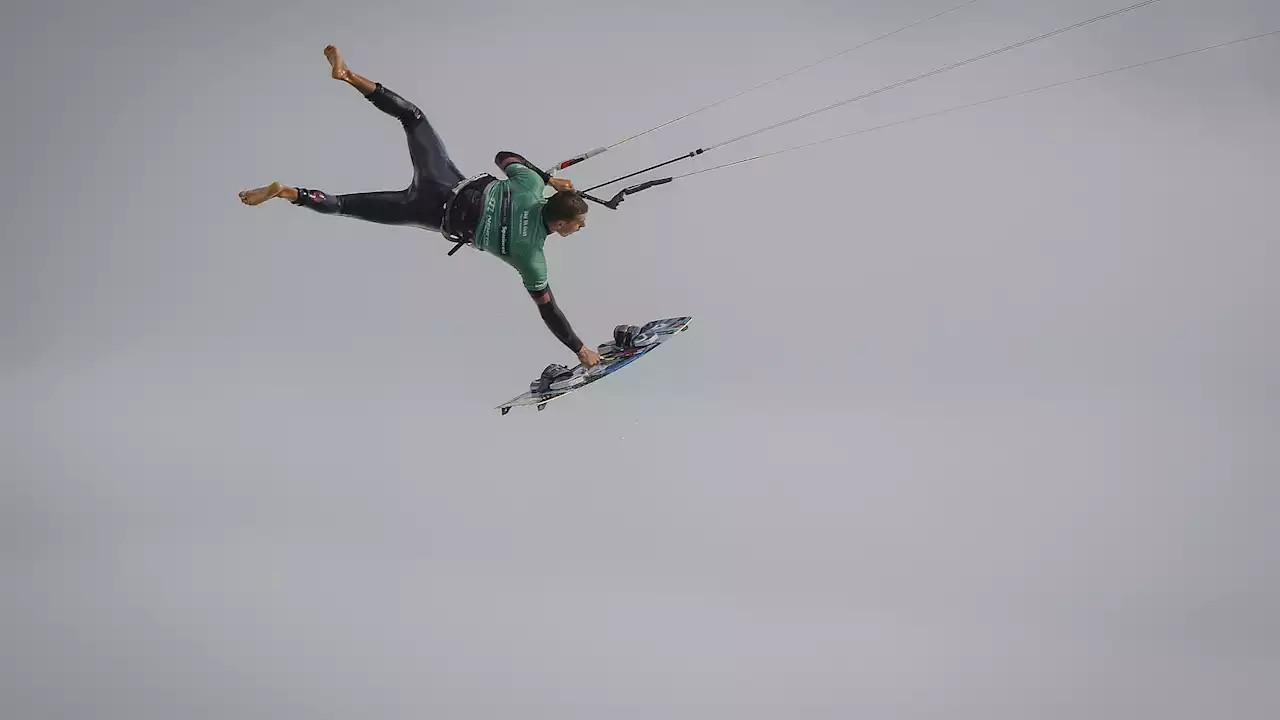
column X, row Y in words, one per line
column 396, row 104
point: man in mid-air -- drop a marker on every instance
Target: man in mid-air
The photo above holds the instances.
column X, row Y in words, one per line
column 509, row 218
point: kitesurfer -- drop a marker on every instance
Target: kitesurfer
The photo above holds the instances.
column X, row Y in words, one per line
column 509, row 218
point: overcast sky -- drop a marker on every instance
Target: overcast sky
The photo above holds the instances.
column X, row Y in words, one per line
column 977, row 418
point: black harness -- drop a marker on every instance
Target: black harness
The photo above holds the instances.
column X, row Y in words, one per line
column 464, row 208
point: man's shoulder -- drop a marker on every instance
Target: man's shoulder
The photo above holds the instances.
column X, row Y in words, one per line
column 521, row 177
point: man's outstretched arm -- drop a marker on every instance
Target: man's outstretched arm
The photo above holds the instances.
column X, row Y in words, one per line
column 559, row 326
column 506, row 158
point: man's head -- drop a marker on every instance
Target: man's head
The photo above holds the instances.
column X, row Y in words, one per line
column 565, row 213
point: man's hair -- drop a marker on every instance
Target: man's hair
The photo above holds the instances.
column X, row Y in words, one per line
column 564, row 205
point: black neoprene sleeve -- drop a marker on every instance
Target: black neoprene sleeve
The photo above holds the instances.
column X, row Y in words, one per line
column 557, row 322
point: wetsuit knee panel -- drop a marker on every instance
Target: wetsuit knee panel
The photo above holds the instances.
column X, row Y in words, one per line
column 391, row 103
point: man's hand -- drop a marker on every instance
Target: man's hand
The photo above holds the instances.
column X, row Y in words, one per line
column 561, row 184
column 589, row 358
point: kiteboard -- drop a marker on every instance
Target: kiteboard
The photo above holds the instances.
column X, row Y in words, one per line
column 612, row 359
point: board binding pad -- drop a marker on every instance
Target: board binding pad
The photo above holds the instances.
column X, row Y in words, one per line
column 612, row 359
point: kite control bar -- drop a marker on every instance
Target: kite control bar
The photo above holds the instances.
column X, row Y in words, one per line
column 617, row 199
column 613, row 202
column 622, row 194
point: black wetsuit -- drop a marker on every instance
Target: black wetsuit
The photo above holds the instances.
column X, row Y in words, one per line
column 434, row 176
column 422, row 204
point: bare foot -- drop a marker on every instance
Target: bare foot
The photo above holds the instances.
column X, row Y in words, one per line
column 260, row 195
column 340, row 71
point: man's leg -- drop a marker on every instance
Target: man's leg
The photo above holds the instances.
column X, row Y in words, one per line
column 386, row 208
column 431, row 162
column 434, row 173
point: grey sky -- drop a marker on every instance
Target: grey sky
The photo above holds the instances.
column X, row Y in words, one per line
column 977, row 418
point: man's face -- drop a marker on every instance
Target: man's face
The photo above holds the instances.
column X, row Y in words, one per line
column 569, row 227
